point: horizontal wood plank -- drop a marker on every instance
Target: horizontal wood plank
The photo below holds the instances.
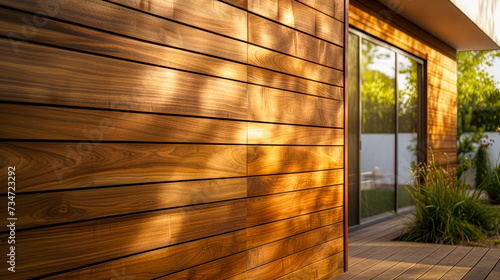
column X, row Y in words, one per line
column 269, row 8
column 55, row 123
column 272, row 60
column 242, row 276
column 304, row 18
column 301, row 17
column 271, row 35
column 318, row 269
column 297, row 261
column 121, row 20
column 209, row 14
column 263, row 160
column 218, row 269
column 276, row 134
column 50, row 250
column 271, row 184
column 288, row 246
column 89, row 40
column 238, row 3
column 273, row 105
column 55, row 166
column 164, row 261
column 276, row 207
column 46, row 75
column 325, row 6
column 267, row 233
column 41, row 209
column 282, row 81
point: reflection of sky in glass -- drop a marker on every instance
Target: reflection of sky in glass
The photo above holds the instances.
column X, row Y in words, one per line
column 383, row 59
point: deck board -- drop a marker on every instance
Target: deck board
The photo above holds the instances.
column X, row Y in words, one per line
column 373, row 254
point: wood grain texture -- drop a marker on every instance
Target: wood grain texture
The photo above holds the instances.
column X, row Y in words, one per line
column 54, row 166
column 209, row 14
column 267, row 233
column 218, row 269
column 117, row 19
column 296, row 15
column 268, row 34
column 263, row 133
column 242, row 276
column 278, row 80
column 263, row 185
column 306, row 19
column 54, row 123
column 238, row 3
column 325, row 6
column 289, row 246
column 263, row 160
column 51, row 76
column 296, row 261
column 267, row 8
column 273, row 105
column 164, row 261
column 272, row 60
column 54, row 249
column 276, row 207
column 318, row 269
column 67, row 206
column 75, row 37
column 174, row 139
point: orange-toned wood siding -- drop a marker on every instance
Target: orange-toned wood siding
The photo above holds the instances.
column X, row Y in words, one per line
column 174, row 139
column 441, row 72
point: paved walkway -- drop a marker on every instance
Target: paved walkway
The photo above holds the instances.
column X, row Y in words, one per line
column 372, row 255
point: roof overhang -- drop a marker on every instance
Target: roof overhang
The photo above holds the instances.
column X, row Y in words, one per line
column 464, row 25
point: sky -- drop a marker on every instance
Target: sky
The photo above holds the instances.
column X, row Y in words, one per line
column 495, row 70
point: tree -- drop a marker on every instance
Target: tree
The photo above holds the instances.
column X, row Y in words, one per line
column 475, row 84
column 478, row 99
column 478, row 94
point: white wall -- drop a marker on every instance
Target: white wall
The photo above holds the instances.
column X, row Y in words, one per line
column 378, row 150
column 494, row 151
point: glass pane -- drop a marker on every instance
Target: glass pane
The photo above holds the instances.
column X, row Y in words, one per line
column 353, row 154
column 407, row 137
column 378, row 98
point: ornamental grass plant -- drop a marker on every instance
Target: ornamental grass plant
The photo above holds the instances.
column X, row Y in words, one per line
column 447, row 210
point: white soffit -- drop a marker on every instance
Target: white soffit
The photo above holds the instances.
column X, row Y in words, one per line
column 465, row 25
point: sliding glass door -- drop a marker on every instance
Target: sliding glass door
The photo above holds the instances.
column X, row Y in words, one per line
column 378, row 114
column 383, row 126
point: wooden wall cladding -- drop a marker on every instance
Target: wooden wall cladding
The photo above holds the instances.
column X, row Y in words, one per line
column 174, row 139
column 441, row 73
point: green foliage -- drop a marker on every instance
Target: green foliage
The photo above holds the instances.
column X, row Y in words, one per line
column 478, row 95
column 493, row 185
column 447, row 210
column 481, row 164
column 475, row 84
column 487, row 171
column 378, row 90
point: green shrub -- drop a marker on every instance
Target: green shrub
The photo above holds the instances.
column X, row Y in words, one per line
column 447, row 210
column 481, row 164
column 492, row 186
column 487, row 171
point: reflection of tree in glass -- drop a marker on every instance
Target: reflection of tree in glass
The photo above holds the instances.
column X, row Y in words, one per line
column 377, row 89
column 408, row 94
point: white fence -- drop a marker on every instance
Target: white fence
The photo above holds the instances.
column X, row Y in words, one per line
column 378, row 151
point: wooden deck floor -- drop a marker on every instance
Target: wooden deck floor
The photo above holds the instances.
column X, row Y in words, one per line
column 372, row 255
